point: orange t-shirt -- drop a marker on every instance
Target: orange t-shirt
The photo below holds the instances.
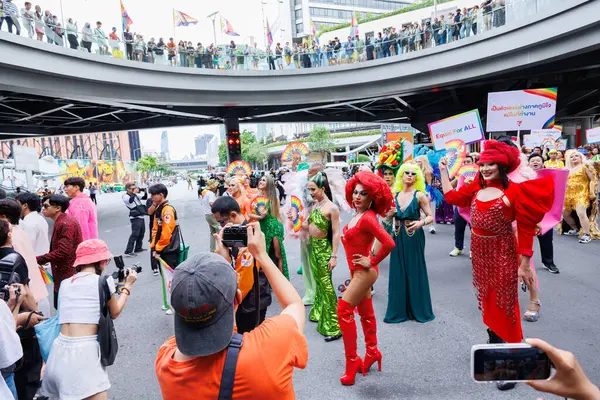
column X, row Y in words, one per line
column 264, row 370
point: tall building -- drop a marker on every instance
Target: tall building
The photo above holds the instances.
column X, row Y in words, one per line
column 164, row 145
column 202, row 142
column 135, row 147
column 328, row 13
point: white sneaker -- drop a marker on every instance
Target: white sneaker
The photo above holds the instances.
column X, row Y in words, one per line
column 432, row 230
column 571, row 232
column 164, row 308
column 585, row 239
column 170, row 311
column 455, row 252
column 155, row 272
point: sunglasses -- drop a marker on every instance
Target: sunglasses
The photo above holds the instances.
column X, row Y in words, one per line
column 46, row 205
column 410, row 173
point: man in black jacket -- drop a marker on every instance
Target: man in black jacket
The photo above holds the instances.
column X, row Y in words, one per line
column 137, row 211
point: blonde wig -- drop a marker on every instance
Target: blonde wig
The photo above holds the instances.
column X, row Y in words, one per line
column 410, row 166
column 568, row 154
column 426, row 167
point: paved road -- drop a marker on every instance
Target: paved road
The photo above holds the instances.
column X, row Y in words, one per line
column 425, row 361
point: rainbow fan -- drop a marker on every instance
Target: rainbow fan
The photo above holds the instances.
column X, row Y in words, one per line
column 294, row 148
column 239, row 168
column 296, row 205
column 456, row 152
column 468, row 171
column 260, row 203
column 46, row 276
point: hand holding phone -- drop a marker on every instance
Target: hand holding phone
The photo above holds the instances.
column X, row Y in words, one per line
column 570, row 380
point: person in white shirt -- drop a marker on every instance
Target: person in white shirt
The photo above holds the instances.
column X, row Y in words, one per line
column 74, row 369
column 208, row 198
column 11, row 350
column 34, row 225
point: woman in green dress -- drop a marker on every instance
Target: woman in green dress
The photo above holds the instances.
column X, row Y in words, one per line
column 323, row 227
column 409, row 296
column 271, row 225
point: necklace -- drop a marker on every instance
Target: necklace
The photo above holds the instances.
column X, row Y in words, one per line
column 320, row 204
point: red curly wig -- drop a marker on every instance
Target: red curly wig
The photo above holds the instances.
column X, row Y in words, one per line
column 375, row 187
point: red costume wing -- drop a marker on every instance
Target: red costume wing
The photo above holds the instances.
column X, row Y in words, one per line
column 533, row 201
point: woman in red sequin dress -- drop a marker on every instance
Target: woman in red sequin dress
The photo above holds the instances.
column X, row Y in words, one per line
column 499, row 259
column 369, row 195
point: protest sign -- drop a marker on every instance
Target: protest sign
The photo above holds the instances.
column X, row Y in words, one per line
column 465, row 127
column 521, row 110
column 593, row 135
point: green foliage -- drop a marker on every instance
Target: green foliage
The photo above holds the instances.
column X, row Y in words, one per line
column 320, row 141
column 362, row 158
column 150, row 165
column 223, row 154
column 369, row 18
column 342, row 136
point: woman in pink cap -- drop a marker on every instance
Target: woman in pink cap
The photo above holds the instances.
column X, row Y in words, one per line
column 73, row 370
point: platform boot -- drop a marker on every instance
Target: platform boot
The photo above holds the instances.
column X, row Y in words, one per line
column 349, row 336
column 369, row 324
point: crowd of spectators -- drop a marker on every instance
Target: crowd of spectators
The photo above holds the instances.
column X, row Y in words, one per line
column 409, row 37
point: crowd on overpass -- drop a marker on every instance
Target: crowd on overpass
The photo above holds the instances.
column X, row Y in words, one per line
column 410, row 36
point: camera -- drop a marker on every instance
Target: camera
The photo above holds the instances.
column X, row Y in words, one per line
column 8, row 274
column 121, row 273
column 235, row 236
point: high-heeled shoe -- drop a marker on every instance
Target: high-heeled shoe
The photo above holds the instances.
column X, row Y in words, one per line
column 369, row 324
column 348, row 327
column 533, row 316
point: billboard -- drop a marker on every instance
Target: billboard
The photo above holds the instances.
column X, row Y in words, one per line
column 396, row 131
column 521, row 110
column 98, row 171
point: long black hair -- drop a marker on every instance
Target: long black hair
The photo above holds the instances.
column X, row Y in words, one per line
column 320, row 179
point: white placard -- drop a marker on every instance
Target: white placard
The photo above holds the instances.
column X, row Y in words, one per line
column 547, row 133
column 465, row 126
column 521, row 110
column 593, row 135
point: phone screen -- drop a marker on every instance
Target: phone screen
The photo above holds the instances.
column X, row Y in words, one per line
column 511, row 364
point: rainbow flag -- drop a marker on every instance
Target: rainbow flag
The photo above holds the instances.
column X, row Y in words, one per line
column 269, row 35
column 354, row 25
column 182, row 19
column 126, row 21
column 46, row 276
column 313, row 32
column 166, row 277
column 227, row 28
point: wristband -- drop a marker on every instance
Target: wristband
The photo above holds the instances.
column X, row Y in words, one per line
column 128, row 291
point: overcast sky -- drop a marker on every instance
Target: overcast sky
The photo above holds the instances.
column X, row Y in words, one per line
column 154, row 18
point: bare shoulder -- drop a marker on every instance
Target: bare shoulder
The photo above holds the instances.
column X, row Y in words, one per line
column 421, row 196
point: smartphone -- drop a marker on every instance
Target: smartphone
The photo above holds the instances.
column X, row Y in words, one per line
column 511, row 362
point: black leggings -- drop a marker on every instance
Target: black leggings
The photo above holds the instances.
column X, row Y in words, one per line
column 87, row 45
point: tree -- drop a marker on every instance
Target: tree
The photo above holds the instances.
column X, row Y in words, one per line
column 223, row 154
column 320, row 141
column 146, row 164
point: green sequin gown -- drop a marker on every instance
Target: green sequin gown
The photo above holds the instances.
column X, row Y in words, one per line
column 324, row 310
column 408, row 291
column 273, row 228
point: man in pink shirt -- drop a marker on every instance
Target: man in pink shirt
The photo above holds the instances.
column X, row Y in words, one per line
column 82, row 208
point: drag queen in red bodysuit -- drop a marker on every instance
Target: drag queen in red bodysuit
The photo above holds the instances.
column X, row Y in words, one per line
column 369, row 195
column 499, row 259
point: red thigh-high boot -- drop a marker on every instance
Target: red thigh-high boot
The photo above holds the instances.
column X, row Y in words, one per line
column 369, row 324
column 348, row 327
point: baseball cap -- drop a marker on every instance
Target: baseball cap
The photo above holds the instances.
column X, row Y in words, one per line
column 202, row 296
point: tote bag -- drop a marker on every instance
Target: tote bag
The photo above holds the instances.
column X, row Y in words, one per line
column 46, row 332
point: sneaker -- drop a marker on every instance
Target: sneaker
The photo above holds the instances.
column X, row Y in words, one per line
column 169, row 311
column 571, row 232
column 141, row 250
column 585, row 239
column 455, row 252
column 164, row 308
column 432, row 230
column 130, row 254
column 552, row 268
column 155, row 272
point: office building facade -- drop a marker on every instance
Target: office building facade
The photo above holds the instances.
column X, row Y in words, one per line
column 328, row 13
column 201, row 143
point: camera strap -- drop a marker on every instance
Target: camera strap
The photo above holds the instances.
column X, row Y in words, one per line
column 228, row 375
column 256, row 293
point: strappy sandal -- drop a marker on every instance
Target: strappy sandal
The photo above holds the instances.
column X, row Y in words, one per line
column 533, row 316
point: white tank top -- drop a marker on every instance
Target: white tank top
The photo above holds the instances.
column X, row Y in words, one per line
column 78, row 298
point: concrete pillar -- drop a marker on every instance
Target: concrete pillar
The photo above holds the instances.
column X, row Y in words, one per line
column 570, row 131
column 586, row 123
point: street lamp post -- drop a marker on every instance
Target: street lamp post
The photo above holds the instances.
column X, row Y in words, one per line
column 213, row 16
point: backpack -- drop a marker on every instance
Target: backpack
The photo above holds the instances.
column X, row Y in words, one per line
column 107, row 336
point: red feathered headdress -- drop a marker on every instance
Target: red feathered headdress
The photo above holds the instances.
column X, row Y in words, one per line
column 501, row 154
column 375, row 187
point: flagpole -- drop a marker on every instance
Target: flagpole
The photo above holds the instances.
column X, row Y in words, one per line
column 174, row 33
